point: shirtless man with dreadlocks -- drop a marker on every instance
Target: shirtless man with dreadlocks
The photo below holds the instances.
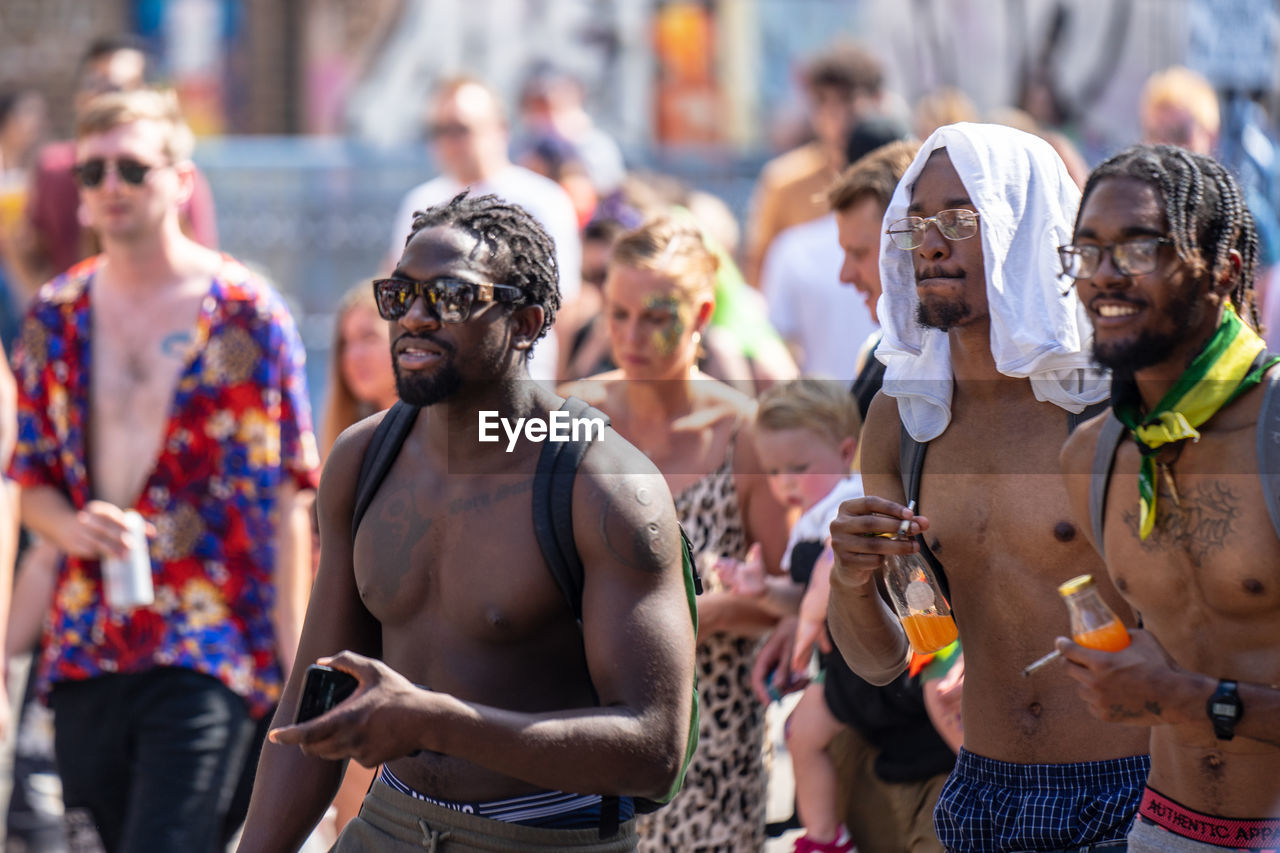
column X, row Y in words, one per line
column 1163, row 257
column 529, row 715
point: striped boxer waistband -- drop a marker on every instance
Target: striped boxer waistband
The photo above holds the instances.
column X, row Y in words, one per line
column 546, row 808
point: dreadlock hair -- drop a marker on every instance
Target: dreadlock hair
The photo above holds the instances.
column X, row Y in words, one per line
column 1204, row 207
column 515, row 239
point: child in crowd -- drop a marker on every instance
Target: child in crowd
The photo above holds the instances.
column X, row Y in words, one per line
column 806, row 437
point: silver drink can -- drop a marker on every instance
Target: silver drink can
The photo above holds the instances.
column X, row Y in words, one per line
column 127, row 580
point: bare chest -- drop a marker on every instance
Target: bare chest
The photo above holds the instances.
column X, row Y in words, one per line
column 1213, row 555
column 996, row 502
column 138, row 355
column 462, row 558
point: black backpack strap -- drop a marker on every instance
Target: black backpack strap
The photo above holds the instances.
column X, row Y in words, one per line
column 1104, row 457
column 553, row 505
column 383, row 449
column 911, row 464
column 1269, row 448
column 553, row 524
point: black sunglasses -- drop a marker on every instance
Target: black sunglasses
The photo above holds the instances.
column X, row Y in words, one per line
column 92, row 172
column 450, row 298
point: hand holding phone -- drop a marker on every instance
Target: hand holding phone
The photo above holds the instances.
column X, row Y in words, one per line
column 323, row 688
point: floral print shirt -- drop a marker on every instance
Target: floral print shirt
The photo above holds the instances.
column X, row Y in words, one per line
column 239, row 425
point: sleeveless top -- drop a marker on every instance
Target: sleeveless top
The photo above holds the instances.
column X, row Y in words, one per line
column 722, row 804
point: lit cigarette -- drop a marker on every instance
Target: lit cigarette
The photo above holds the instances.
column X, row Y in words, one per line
column 906, row 522
column 1042, row 662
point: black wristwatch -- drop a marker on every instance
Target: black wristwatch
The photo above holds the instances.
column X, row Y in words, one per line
column 1225, row 710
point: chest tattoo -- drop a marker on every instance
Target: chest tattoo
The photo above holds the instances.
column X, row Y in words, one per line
column 485, row 500
column 176, row 345
column 1198, row 525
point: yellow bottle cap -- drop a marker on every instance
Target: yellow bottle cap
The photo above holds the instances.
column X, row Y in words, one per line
column 1074, row 585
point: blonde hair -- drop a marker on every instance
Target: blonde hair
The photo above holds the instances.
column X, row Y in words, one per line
column 342, row 407
column 942, row 107
column 822, row 406
column 671, row 247
column 1182, row 88
column 110, row 110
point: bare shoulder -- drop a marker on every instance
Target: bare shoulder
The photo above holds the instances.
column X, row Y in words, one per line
column 593, row 390
column 714, row 394
column 718, row 407
column 623, row 508
column 1077, row 452
column 881, row 438
column 342, row 467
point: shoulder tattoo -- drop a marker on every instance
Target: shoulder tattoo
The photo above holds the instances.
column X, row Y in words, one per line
column 629, row 525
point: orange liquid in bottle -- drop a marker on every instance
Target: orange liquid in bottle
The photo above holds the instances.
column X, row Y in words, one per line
column 1111, row 637
column 929, row 632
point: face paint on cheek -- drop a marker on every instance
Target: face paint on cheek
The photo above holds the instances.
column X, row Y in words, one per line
column 666, row 338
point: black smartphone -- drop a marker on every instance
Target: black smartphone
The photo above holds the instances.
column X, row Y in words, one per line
column 323, row 688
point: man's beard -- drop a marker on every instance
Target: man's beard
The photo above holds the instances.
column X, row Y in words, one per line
column 427, row 390
column 1150, row 347
column 942, row 315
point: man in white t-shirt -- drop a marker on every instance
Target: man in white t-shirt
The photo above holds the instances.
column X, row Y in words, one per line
column 469, row 142
column 824, row 322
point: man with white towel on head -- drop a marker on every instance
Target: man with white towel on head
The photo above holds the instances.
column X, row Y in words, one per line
column 987, row 365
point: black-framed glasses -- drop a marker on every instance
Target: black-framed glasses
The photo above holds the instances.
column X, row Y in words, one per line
column 1132, row 257
column 955, row 224
column 92, row 172
column 450, row 298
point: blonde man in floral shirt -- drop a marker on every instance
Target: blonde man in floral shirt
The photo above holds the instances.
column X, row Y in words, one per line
column 164, row 378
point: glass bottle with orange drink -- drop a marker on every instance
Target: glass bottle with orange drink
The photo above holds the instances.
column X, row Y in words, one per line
column 918, row 601
column 1093, row 624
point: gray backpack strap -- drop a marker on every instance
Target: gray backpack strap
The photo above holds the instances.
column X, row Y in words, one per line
column 1104, row 456
column 910, row 464
column 1269, row 449
column 911, row 459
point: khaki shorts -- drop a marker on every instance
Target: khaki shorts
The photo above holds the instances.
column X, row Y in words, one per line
column 883, row 817
column 391, row 822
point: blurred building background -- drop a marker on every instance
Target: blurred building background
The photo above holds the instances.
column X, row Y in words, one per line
column 310, row 111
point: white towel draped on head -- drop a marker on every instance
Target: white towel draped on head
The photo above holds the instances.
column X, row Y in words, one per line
column 1027, row 204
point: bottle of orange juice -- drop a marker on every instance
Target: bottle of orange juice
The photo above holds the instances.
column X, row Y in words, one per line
column 1093, row 623
column 918, row 600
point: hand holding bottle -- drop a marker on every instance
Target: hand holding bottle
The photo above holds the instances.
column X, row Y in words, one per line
column 1094, row 625
column 862, row 535
column 917, row 598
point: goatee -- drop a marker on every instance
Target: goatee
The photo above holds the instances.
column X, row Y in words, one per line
column 1185, row 312
column 430, row 389
column 942, row 315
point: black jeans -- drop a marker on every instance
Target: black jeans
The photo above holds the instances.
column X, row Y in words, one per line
column 154, row 756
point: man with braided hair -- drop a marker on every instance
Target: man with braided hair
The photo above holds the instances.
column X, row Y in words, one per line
column 479, row 693
column 1163, row 256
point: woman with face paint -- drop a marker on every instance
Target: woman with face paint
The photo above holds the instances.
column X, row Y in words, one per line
column 658, row 300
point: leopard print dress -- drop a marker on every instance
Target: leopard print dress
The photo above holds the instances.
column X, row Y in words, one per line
column 721, row 808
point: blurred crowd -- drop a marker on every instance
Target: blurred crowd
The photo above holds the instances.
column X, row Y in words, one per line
column 778, row 314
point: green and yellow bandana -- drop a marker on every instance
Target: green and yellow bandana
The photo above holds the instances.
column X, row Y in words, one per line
column 1231, row 363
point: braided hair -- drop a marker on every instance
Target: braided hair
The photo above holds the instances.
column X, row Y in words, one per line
column 520, row 246
column 1204, row 207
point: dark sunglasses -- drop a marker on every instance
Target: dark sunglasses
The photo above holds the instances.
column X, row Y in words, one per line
column 449, row 298
column 92, row 172
column 448, row 130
